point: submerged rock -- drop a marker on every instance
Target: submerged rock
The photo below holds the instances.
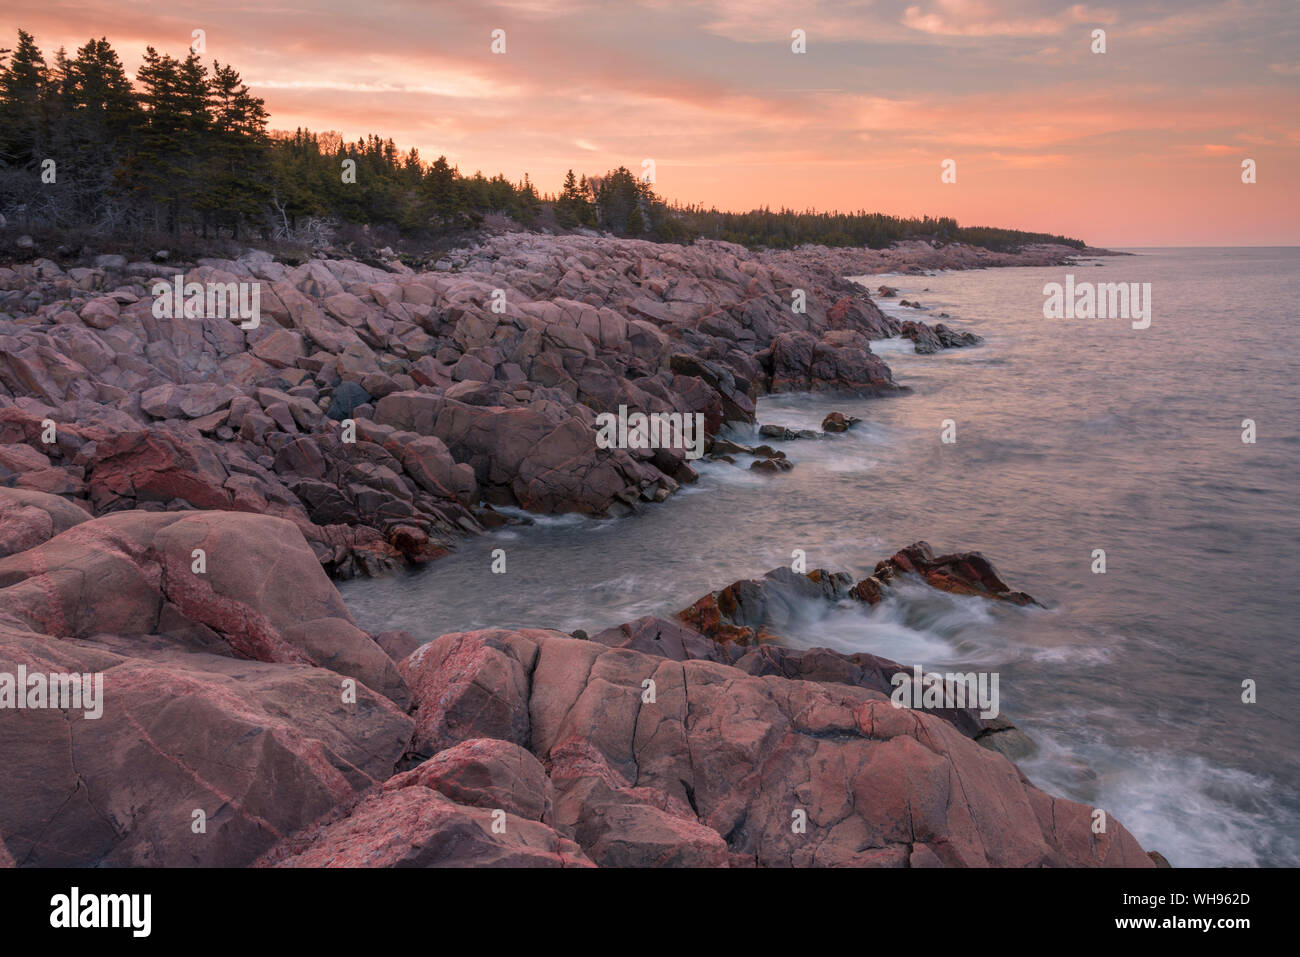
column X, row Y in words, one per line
column 839, row 422
column 783, row 434
column 962, row 573
column 929, row 340
column 754, row 614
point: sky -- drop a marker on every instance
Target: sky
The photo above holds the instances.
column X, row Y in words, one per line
column 1140, row 145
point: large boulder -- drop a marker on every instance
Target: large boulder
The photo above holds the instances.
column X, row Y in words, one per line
column 539, row 459
column 480, row 686
column 695, row 762
column 158, row 466
column 242, row 585
column 841, row 362
column 28, row 518
column 419, row 827
column 427, row 460
column 194, row 759
column 186, row 401
column 487, row 773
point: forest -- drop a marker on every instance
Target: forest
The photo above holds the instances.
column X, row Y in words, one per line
column 183, row 148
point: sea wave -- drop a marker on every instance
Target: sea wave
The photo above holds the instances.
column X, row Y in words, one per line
column 1194, row 812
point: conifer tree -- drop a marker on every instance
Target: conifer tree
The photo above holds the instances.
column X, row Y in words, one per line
column 567, row 206
column 157, row 170
column 238, row 153
column 23, row 81
column 185, row 149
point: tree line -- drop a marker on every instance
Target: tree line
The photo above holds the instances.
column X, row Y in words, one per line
column 788, row 228
column 185, row 149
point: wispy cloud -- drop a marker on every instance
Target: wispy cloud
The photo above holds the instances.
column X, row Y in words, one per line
column 971, row 18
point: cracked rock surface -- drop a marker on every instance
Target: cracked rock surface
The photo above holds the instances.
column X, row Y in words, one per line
column 226, row 692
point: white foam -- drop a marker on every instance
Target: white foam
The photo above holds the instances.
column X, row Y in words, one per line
column 914, row 625
column 893, row 346
column 1195, row 813
column 565, row 520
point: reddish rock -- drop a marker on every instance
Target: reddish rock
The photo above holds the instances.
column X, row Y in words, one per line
column 19, row 458
column 262, row 594
column 486, row 773
column 747, row 618
column 29, row 518
column 427, row 460
column 100, row 313
column 512, row 399
column 539, row 460
column 157, row 466
column 668, row 639
column 414, row 544
column 397, row 644
column 712, row 768
column 480, row 687
column 962, row 573
column 869, row 590
column 262, row 750
column 841, row 362
column 281, row 348
column 341, row 646
column 418, row 827
column 923, row 338
column 186, row 401
column 838, row 422
column 772, row 465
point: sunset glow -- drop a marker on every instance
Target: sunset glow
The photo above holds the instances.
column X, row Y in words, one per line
column 1140, row 145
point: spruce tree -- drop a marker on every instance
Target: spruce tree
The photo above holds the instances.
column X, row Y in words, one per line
column 23, row 80
column 157, row 171
column 635, row 222
column 566, row 207
column 98, row 120
column 238, row 155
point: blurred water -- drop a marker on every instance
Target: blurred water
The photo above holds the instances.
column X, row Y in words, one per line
column 1072, row 435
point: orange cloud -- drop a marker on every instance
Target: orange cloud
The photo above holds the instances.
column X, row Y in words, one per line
column 1113, row 148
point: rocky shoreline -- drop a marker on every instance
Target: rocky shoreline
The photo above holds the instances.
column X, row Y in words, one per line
column 175, row 494
column 245, row 697
column 471, row 387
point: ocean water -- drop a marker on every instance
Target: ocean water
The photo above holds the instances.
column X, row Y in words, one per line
column 1071, row 435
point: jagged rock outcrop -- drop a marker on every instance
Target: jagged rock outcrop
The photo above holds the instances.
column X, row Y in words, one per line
column 244, row 718
column 962, row 573
column 380, row 410
column 675, row 760
column 223, row 693
column 173, row 492
column 746, row 621
column 928, row 340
